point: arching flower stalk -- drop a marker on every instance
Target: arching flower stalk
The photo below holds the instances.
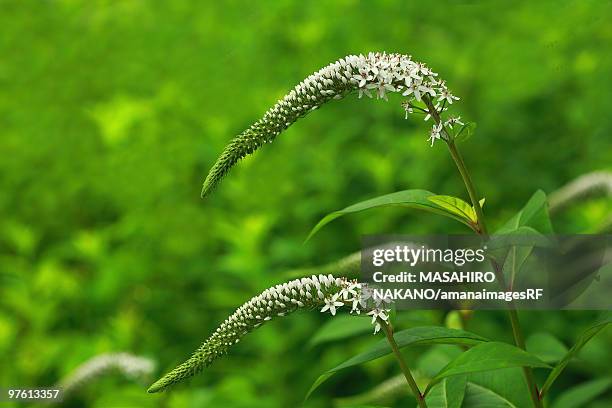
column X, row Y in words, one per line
column 374, row 74
column 131, row 366
column 590, row 184
column 323, row 292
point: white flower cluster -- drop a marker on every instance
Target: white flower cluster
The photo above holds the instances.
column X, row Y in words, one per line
column 132, row 367
column 278, row 300
column 361, row 298
column 378, row 73
column 374, row 73
column 285, row 298
column 312, row 292
column 383, row 73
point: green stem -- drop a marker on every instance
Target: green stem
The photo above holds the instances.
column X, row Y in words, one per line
column 403, row 366
column 482, row 230
column 514, row 321
column 527, row 371
column 469, row 185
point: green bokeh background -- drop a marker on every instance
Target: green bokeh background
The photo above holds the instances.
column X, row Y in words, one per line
column 111, row 113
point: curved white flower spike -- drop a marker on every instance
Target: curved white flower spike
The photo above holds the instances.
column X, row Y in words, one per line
column 318, row 291
column 376, row 73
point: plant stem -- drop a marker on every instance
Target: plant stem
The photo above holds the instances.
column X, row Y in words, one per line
column 404, row 367
column 469, row 185
column 520, row 342
column 512, row 313
column 514, row 321
column 482, row 230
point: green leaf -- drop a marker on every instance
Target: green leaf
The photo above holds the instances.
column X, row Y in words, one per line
column 320, row 380
column 413, row 336
column 341, row 327
column 534, row 214
column 407, row 198
column 546, row 347
column 479, row 396
column 456, row 206
column 448, row 393
column 436, row 357
column 515, row 259
column 582, row 394
column 584, row 338
column 521, row 236
column 513, row 249
column 505, row 387
column 532, row 221
column 386, row 392
column 487, row 356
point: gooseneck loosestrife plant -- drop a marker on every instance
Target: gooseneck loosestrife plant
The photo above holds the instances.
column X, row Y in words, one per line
column 130, row 366
column 324, row 292
column 375, row 75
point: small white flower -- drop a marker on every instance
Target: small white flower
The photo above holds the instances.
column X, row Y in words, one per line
column 376, row 327
column 413, row 73
column 382, row 314
column 382, row 87
column 331, row 304
column 355, row 308
column 408, row 108
column 412, row 89
column 418, row 88
column 435, row 133
column 445, row 95
column 349, row 290
column 453, row 120
column 421, row 69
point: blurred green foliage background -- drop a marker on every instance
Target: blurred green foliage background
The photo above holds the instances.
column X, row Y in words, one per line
column 111, row 113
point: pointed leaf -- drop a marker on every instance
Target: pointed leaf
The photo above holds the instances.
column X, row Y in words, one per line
column 479, row 396
column 546, row 346
column 320, row 380
column 436, row 358
column 407, row 198
column 456, row 206
column 448, row 393
column 487, row 356
column 515, row 259
column 584, row 338
column 534, row 214
column 583, row 394
column 386, row 392
column 413, row 336
column 505, row 387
